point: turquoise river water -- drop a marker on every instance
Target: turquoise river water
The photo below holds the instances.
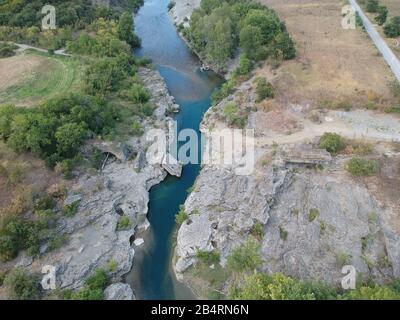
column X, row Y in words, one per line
column 151, row 276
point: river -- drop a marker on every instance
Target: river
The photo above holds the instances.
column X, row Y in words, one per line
column 152, row 276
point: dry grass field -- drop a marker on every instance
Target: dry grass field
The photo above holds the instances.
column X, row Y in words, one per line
column 332, row 64
column 393, row 6
column 28, row 79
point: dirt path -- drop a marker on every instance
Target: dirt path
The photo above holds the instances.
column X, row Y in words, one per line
column 357, row 124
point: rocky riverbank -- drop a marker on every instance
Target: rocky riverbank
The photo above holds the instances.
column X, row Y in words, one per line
column 120, row 191
column 314, row 216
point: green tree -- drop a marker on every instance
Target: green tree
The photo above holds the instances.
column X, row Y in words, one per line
column 372, row 6
column 125, row 30
column 70, row 137
column 266, row 20
column 382, row 15
column 392, row 28
column 251, row 39
column 283, row 43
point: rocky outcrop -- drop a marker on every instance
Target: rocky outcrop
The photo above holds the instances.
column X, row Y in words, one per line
column 119, row 291
column 121, row 189
column 314, row 215
column 313, row 222
column 183, row 9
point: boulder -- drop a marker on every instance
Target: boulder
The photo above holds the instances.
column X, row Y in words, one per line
column 119, row 291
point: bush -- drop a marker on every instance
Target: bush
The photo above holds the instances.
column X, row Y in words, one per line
column 138, row 94
column 7, row 50
column 264, row 89
column 375, row 292
column 125, row 30
column 372, row 6
column 208, row 257
column 93, row 288
column 392, row 28
column 244, row 65
column 71, row 209
column 21, row 286
column 260, row 286
column 382, row 15
column 362, row 167
column 124, row 223
column 313, row 214
column 14, row 234
column 234, row 116
column 258, row 230
column 332, row 142
column 181, row 216
column 245, row 257
column 137, row 128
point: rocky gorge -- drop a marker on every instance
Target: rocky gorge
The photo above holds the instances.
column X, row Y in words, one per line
column 120, row 190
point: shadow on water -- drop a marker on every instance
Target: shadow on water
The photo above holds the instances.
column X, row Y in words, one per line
column 151, row 275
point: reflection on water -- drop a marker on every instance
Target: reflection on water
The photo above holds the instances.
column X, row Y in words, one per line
column 151, row 275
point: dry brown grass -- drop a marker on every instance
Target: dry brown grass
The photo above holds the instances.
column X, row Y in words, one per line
column 16, row 69
column 333, row 64
column 21, row 173
column 393, row 6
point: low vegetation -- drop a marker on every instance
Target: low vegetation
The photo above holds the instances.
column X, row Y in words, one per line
column 264, row 89
column 208, row 257
column 21, row 286
column 332, row 142
column 181, row 216
column 124, row 223
column 360, row 167
column 7, row 50
column 260, row 286
column 245, row 257
column 93, row 288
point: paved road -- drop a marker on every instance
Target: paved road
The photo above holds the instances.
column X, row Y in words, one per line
column 386, row 52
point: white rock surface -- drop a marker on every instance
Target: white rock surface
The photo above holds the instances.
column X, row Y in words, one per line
column 119, row 291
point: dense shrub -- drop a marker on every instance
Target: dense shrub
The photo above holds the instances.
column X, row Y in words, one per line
column 57, row 128
column 125, row 30
column 332, row 142
column 259, row 286
column 21, row 286
column 264, row 89
column 246, row 257
column 392, row 28
column 362, row 167
column 382, row 15
column 181, row 216
column 7, row 50
column 93, row 288
column 372, row 6
column 208, row 257
column 234, row 116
